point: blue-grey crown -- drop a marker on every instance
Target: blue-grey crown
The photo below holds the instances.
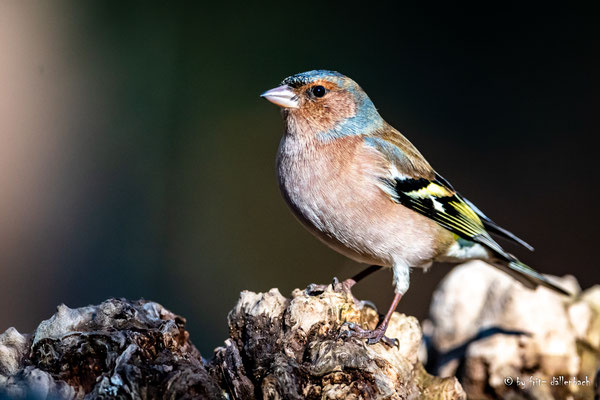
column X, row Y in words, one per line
column 304, row 78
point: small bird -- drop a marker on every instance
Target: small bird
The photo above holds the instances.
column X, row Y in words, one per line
column 363, row 189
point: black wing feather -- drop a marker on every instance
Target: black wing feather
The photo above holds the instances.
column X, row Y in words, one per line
column 490, row 225
column 435, row 200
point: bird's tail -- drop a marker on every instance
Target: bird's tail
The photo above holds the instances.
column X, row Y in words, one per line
column 528, row 276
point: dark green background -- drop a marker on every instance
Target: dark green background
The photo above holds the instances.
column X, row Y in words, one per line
column 164, row 185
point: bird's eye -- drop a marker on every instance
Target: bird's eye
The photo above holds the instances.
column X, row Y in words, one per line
column 318, row 91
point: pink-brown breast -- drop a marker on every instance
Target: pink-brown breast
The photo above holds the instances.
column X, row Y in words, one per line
column 333, row 189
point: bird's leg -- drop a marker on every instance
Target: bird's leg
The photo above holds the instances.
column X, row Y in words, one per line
column 315, row 289
column 361, row 275
column 377, row 334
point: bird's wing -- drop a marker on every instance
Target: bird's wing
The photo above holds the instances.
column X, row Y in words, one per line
column 414, row 184
column 490, row 225
column 400, row 153
column 434, row 200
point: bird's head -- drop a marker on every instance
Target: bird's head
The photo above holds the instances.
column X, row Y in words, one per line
column 325, row 104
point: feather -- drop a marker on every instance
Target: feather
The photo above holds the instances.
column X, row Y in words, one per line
column 400, row 152
column 414, row 184
column 528, row 276
column 441, row 204
column 490, row 225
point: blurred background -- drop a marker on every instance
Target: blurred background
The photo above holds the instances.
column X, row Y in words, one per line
column 137, row 160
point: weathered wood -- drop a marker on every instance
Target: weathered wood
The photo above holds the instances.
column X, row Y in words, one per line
column 505, row 341
column 278, row 348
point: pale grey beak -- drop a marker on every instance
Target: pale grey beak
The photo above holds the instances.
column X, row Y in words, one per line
column 283, row 96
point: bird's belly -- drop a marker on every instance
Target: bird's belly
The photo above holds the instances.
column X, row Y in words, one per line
column 352, row 215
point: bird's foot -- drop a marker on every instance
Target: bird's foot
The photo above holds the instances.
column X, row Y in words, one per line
column 315, row 289
column 373, row 336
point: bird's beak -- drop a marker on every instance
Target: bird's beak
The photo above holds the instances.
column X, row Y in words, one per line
column 283, row 96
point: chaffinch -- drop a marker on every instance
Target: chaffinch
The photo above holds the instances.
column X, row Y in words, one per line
column 363, row 189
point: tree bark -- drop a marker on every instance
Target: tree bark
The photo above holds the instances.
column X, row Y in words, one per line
column 278, row 348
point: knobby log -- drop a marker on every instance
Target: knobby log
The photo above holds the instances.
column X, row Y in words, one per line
column 504, row 341
column 278, row 348
column 486, row 331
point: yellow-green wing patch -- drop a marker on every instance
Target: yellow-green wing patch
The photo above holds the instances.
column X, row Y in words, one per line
column 437, row 201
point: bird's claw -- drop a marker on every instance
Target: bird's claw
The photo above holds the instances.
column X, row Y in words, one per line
column 373, row 336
